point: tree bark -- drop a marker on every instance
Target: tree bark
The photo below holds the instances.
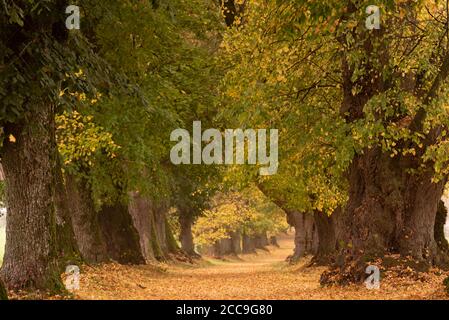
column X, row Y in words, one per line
column 85, row 221
column 122, row 239
column 67, row 246
column 327, row 241
column 388, row 211
column 30, row 260
column 163, row 240
column 306, row 237
column 186, row 236
column 3, row 292
column 248, row 245
column 150, row 221
column 226, row 247
column 141, row 212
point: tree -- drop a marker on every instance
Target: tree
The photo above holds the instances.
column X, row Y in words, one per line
column 119, row 159
column 46, row 70
column 370, row 128
column 35, row 55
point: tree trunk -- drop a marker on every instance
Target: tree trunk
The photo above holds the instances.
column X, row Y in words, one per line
column 122, row 239
column 30, row 260
column 186, row 236
column 141, row 212
column 248, row 245
column 150, row 222
column 327, row 241
column 306, row 237
column 236, row 240
column 163, row 240
column 68, row 251
column 85, row 221
column 388, row 211
column 229, row 11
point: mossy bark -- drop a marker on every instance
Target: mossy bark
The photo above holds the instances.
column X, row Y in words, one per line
column 389, row 212
column 141, row 214
column 122, row 238
column 31, row 255
column 68, row 252
column 164, row 242
column 327, row 240
column 3, row 292
column 86, row 227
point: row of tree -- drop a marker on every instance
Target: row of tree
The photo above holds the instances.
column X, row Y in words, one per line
column 86, row 116
column 238, row 222
column 362, row 117
column 363, row 121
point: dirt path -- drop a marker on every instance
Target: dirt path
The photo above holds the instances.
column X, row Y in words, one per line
column 262, row 276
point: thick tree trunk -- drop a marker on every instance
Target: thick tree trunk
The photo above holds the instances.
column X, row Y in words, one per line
column 163, row 240
column 30, row 260
column 327, row 241
column 306, row 237
column 149, row 220
column 186, row 236
column 122, row 239
column 85, row 221
column 248, row 245
column 140, row 210
column 388, row 211
column 68, row 251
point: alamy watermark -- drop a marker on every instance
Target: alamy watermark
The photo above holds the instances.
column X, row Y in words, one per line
column 373, row 20
column 73, row 20
column 189, row 150
column 373, row 280
column 72, row 280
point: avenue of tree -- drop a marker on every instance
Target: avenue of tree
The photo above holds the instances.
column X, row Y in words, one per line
column 86, row 117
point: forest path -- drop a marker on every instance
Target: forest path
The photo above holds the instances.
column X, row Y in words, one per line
column 264, row 275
